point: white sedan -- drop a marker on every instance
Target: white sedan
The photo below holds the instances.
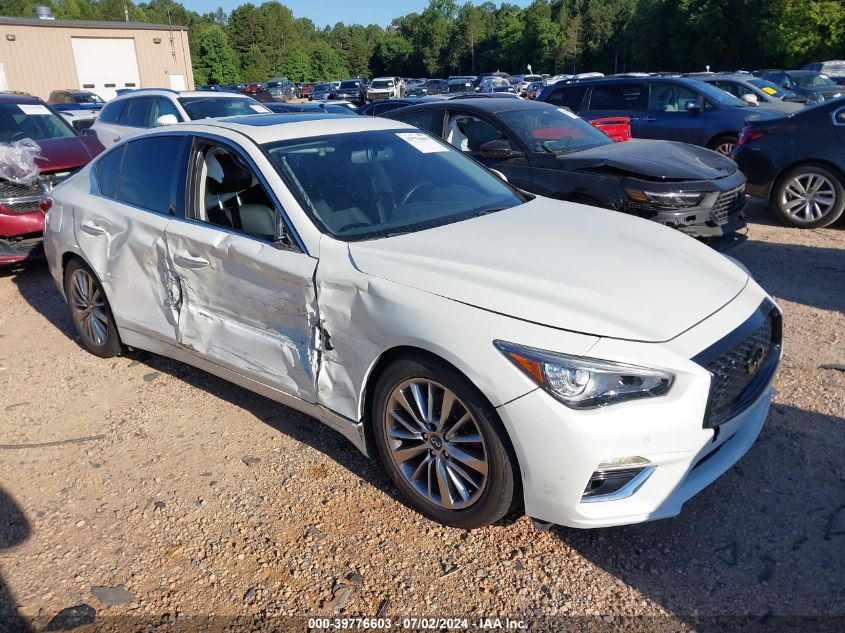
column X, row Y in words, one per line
column 494, row 349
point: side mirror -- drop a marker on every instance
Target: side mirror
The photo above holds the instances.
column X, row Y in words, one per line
column 88, row 132
column 692, row 106
column 499, row 149
column 750, row 98
column 166, row 119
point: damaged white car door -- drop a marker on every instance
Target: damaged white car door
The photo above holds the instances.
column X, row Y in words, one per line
column 120, row 231
column 247, row 301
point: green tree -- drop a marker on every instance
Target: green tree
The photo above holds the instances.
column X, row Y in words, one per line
column 214, row 60
column 805, row 30
column 254, row 65
column 296, row 65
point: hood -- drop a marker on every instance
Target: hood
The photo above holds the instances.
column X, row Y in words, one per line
column 659, row 160
column 566, row 266
column 67, row 153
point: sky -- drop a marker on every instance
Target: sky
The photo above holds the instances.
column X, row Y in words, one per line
column 330, row 12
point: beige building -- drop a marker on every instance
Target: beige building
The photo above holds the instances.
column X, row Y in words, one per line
column 38, row 56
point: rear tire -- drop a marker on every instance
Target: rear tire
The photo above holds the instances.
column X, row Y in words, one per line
column 809, row 196
column 90, row 310
column 442, row 443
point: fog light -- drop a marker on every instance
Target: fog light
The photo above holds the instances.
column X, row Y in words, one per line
column 617, row 478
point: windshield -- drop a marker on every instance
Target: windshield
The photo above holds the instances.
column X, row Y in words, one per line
column 433, row 82
column 720, row 96
column 382, row 83
column 530, row 78
column 553, row 130
column 213, row 107
column 31, row 120
column 386, row 182
column 460, row 87
column 813, row 81
column 350, row 84
column 86, row 97
column 770, row 88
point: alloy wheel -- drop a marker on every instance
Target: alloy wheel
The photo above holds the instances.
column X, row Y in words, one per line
column 808, row 197
column 88, row 308
column 436, row 444
column 726, row 148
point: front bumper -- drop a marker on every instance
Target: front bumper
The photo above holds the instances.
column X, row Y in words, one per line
column 21, row 237
column 721, row 211
column 560, row 449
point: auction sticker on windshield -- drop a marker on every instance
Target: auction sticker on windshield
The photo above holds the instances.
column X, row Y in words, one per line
column 768, row 90
column 422, row 142
column 33, row 109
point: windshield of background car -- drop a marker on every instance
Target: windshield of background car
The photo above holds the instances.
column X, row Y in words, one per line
column 720, row 96
column 813, row 81
column 770, row 88
column 345, row 85
column 553, row 130
column 386, row 182
column 460, row 87
column 31, row 120
column 382, row 83
column 213, row 107
column 86, row 97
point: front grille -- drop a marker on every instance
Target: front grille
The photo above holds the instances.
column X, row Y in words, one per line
column 726, row 203
column 10, row 189
column 742, row 364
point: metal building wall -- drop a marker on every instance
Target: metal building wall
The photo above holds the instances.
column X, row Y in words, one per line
column 37, row 56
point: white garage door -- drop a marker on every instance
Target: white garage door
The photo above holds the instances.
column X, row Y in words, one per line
column 104, row 65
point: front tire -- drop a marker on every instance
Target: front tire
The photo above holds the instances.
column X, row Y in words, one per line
column 442, row 443
column 809, row 196
column 724, row 145
column 90, row 310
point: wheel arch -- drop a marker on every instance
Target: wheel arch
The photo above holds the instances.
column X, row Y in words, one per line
column 798, row 163
column 378, row 367
column 719, row 135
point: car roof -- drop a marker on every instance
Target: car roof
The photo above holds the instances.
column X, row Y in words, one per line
column 12, row 97
column 163, row 92
column 267, row 128
column 489, row 105
column 804, row 72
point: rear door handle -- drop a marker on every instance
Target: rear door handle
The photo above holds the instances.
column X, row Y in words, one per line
column 188, row 261
column 92, row 229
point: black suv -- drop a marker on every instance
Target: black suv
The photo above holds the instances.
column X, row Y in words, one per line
column 354, row 90
column 816, row 86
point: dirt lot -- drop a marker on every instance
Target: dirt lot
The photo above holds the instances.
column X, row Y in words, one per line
column 198, row 497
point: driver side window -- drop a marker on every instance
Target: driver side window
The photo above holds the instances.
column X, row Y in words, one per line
column 227, row 193
column 468, row 133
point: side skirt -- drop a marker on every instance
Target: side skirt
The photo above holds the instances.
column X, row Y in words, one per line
column 350, row 429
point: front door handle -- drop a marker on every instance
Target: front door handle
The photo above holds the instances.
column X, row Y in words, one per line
column 648, row 119
column 116, row 139
column 92, row 229
column 189, row 261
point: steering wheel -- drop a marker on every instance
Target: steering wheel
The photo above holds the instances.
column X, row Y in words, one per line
column 413, row 190
column 352, row 225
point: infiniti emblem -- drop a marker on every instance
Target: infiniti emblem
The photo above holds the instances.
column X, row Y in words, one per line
column 755, row 358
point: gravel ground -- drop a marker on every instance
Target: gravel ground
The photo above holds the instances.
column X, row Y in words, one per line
column 142, row 486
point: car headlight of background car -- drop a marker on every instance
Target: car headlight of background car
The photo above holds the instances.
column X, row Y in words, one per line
column 586, row 383
column 666, row 199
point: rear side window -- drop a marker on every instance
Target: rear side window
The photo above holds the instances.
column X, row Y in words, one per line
column 427, row 121
column 151, row 168
column 112, row 111
column 570, row 97
column 139, row 112
column 108, row 169
column 618, row 97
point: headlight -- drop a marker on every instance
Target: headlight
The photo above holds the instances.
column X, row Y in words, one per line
column 666, row 199
column 586, row 383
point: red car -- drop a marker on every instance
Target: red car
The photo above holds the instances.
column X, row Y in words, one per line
column 250, row 89
column 62, row 151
